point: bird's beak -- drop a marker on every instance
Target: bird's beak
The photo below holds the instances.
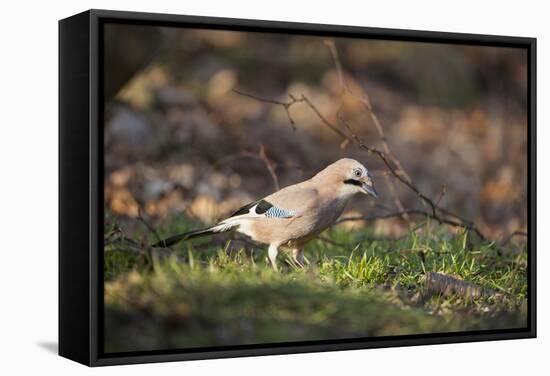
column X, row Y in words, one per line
column 368, row 188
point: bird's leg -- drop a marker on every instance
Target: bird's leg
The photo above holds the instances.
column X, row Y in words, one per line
column 272, row 255
column 298, row 256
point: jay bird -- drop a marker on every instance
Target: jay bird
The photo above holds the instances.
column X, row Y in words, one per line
column 294, row 215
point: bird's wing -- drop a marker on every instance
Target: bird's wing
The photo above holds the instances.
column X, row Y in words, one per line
column 298, row 198
column 262, row 208
column 286, row 203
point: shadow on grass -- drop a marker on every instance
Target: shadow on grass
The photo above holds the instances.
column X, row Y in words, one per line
column 181, row 307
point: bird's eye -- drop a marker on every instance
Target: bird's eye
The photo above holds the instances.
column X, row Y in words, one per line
column 357, row 173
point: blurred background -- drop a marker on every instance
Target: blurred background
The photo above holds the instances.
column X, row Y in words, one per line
column 180, row 141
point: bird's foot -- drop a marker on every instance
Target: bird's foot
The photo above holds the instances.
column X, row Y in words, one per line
column 273, row 264
column 299, row 262
column 298, row 257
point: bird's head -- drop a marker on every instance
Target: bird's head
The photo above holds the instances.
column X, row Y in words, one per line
column 351, row 177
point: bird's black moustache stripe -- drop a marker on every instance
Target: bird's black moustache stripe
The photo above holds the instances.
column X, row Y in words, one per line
column 353, row 182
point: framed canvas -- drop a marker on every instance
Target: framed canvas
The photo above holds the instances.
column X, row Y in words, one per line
column 237, row 187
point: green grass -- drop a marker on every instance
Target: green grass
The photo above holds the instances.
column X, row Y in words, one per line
column 206, row 294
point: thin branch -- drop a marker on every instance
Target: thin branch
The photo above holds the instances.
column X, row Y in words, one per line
column 345, row 89
column 148, row 225
column 334, row 53
column 261, row 156
column 397, row 202
column 293, row 100
column 415, row 212
column 389, row 161
column 441, row 194
column 270, row 168
column 285, row 105
column 267, row 162
column 513, row 234
column 391, row 186
column 324, row 119
column 369, row 218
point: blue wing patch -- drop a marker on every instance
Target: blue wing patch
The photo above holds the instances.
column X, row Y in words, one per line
column 262, row 207
column 275, row 212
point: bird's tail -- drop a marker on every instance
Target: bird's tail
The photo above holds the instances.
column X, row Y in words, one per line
column 168, row 242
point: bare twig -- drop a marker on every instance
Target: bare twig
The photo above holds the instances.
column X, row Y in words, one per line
column 396, row 200
column 369, row 218
column 390, row 162
column 513, row 234
column 363, row 99
column 261, row 156
column 327, row 123
column 441, row 194
column 418, row 213
column 270, row 167
column 334, row 53
column 285, row 105
column 148, row 225
column 345, row 89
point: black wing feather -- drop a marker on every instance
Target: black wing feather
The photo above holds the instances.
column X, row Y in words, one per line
column 262, row 207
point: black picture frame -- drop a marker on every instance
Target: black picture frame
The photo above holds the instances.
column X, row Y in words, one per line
column 81, row 186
